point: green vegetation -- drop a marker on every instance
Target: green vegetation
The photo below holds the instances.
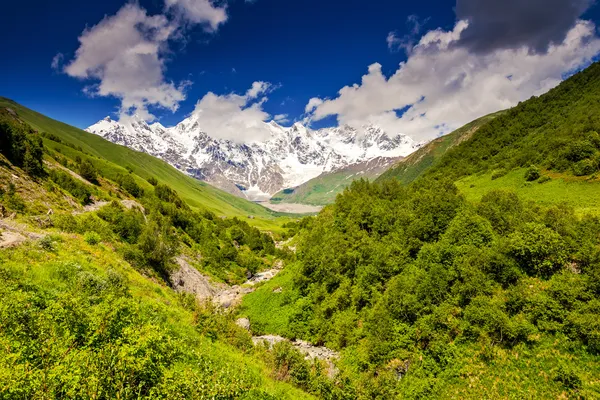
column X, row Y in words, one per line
column 490, row 299
column 323, row 189
column 111, row 160
column 557, row 131
column 20, row 144
column 473, row 274
column 87, row 307
column 413, row 166
column 581, row 193
column 76, row 321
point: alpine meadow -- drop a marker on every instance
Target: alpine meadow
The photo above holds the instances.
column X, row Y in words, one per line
column 231, row 211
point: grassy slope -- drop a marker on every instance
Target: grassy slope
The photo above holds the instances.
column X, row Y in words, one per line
column 34, row 267
column 323, row 189
column 409, row 169
column 581, row 193
column 197, row 194
column 318, row 191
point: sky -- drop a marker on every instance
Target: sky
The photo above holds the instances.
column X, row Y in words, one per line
column 417, row 68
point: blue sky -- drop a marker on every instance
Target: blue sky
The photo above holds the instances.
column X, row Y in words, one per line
column 308, row 49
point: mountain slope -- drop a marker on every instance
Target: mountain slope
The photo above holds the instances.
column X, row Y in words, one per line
column 323, row 189
column 197, row 194
column 546, row 149
column 255, row 170
column 410, row 168
column 92, row 275
column 557, row 131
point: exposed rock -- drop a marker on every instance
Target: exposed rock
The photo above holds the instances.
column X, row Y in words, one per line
column 243, row 323
column 188, row 279
column 11, row 239
column 310, row 352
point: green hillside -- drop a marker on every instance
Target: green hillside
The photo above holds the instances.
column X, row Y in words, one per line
column 323, row 189
column 413, row 166
column 557, row 131
column 546, row 149
column 114, row 159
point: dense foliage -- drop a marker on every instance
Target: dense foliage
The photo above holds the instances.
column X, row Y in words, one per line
column 20, row 144
column 417, row 281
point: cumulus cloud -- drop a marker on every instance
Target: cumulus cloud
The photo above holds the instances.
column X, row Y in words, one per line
column 235, row 117
column 199, row 12
column 512, row 24
column 124, row 54
column 442, row 85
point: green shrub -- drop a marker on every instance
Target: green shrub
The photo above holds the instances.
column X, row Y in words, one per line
column 128, row 183
column 88, row 171
column 92, row 238
column 75, row 187
column 580, row 150
column 21, row 145
column 544, row 179
column 584, row 167
column 499, row 173
column 532, row 173
column 47, row 243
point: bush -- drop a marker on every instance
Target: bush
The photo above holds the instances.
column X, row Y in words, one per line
column 75, row 187
column 128, row 183
column 88, row 171
column 532, row 174
column 544, row 179
column 21, row 145
column 584, row 167
column 580, row 150
column 539, row 250
column 47, row 243
column 499, row 173
column 92, row 238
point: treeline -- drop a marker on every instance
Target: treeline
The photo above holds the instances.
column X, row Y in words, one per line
column 420, row 287
column 20, row 144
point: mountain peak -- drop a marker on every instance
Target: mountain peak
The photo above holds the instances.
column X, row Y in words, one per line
column 290, row 157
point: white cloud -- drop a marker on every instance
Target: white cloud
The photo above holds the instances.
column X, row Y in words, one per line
column 394, row 42
column 57, row 61
column 312, row 104
column 281, row 118
column 199, row 12
column 126, row 53
column 445, row 86
column 235, row 117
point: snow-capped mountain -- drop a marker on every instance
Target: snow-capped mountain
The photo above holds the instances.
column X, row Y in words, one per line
column 291, row 156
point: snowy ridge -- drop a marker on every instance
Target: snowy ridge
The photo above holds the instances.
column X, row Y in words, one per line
column 292, row 156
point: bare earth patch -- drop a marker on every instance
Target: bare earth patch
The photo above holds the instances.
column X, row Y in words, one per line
column 291, row 208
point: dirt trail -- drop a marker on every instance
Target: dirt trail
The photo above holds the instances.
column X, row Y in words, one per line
column 129, row 204
column 13, row 234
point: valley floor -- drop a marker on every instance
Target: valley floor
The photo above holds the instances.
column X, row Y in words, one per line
column 291, row 208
